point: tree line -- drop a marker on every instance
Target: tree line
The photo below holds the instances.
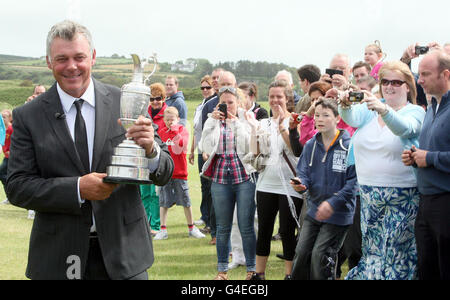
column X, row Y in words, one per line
column 262, row 73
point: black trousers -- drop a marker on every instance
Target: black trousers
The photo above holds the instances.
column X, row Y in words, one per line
column 95, row 267
column 268, row 205
column 432, row 231
column 206, row 206
column 351, row 249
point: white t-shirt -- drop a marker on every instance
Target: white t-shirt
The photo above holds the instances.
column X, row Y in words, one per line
column 271, row 179
column 378, row 159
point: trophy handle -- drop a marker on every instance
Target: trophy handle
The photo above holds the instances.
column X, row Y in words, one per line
column 155, row 61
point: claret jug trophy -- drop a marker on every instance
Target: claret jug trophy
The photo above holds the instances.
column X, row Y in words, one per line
column 129, row 164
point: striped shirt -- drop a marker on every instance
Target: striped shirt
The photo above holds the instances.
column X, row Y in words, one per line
column 228, row 169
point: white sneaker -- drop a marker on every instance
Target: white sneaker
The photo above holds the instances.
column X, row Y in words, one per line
column 195, row 233
column 31, row 214
column 161, row 235
column 5, row 202
column 199, row 222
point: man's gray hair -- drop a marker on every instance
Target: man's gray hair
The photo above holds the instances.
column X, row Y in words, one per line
column 286, row 73
column 67, row 30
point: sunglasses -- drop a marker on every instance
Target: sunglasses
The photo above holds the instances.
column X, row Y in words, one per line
column 155, row 99
column 205, row 88
column 228, row 89
column 396, row 83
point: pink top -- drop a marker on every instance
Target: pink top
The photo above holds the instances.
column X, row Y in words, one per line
column 308, row 128
column 376, row 69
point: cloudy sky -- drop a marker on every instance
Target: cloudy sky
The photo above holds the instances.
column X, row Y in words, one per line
column 293, row 32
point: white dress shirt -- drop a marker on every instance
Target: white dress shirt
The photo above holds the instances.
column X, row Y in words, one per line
column 88, row 112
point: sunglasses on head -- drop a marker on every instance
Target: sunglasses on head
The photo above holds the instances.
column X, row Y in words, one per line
column 205, row 88
column 155, row 99
column 228, row 89
column 396, row 83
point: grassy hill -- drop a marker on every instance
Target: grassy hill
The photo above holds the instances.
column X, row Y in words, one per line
column 28, row 71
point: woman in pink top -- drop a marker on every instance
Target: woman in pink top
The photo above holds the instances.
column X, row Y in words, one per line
column 308, row 129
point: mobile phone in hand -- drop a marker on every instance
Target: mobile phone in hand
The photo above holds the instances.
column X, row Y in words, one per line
column 296, row 181
column 332, row 72
column 414, row 164
column 224, row 109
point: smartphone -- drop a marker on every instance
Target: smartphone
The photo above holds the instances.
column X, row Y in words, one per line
column 224, row 109
column 331, row 72
column 414, row 164
column 296, row 181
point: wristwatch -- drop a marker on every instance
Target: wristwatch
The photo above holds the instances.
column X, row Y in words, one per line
column 156, row 150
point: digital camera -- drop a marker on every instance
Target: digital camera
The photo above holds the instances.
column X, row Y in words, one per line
column 422, row 50
column 355, row 96
column 297, row 118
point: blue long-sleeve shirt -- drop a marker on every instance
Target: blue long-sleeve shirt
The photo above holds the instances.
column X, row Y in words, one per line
column 435, row 138
column 405, row 123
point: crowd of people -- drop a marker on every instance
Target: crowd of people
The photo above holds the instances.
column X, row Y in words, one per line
column 356, row 167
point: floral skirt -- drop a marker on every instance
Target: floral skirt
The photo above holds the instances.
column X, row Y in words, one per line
column 387, row 228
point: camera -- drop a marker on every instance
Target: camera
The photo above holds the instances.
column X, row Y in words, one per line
column 422, row 50
column 224, row 109
column 355, row 96
column 297, row 118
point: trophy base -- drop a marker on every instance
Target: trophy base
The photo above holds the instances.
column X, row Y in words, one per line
column 123, row 180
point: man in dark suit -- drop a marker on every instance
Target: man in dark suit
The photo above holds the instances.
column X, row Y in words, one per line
column 83, row 228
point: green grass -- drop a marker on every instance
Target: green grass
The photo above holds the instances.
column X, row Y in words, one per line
column 179, row 257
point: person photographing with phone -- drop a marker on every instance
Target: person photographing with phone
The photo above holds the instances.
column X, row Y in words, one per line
column 389, row 195
column 225, row 140
column 338, row 73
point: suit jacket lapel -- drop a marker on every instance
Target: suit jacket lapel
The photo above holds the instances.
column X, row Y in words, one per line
column 102, row 121
column 52, row 105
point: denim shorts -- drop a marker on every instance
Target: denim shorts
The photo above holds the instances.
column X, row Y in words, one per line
column 176, row 191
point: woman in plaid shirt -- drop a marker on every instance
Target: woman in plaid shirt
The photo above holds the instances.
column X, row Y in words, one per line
column 225, row 141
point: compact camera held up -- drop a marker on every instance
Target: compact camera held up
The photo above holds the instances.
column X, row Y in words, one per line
column 355, row 97
column 420, row 50
column 297, row 118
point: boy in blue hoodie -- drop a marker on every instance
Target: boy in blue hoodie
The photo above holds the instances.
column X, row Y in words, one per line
column 323, row 172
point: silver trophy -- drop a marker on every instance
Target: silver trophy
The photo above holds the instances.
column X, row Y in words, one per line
column 129, row 164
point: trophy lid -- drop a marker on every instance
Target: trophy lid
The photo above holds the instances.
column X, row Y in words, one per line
column 137, row 85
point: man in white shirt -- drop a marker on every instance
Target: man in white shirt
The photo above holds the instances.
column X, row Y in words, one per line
column 83, row 226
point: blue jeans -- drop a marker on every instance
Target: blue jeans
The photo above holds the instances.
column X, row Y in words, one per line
column 224, row 197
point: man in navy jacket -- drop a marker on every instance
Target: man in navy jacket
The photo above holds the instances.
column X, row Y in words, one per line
column 175, row 98
column 432, row 226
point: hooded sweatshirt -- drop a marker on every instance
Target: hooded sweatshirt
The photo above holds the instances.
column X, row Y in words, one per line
column 328, row 178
